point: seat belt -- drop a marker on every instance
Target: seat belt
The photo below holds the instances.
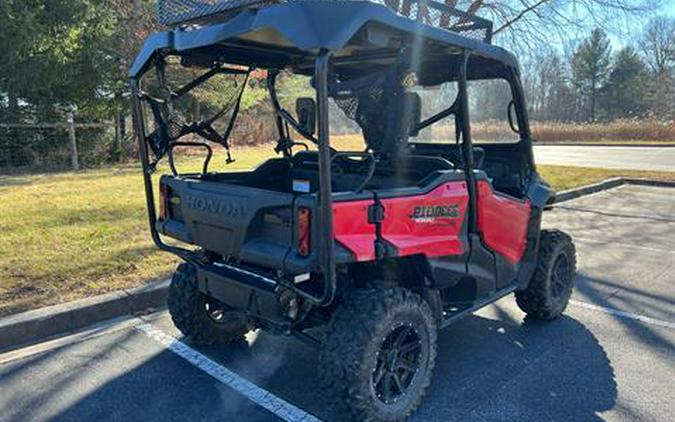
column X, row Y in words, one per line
column 235, row 112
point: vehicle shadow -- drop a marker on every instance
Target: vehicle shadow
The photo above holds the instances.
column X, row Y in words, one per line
column 502, row 370
column 486, row 370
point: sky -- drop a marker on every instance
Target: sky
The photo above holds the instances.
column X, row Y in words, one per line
column 621, row 32
column 667, row 8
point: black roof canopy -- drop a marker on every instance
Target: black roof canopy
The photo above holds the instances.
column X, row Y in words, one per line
column 363, row 36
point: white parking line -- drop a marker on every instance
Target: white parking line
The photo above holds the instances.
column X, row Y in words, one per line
column 623, row 314
column 256, row 394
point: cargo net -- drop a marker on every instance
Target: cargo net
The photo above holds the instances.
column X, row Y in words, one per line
column 430, row 12
column 366, row 109
column 380, row 105
column 187, row 107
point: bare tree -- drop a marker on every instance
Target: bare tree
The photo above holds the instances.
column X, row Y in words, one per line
column 658, row 49
column 527, row 24
column 547, row 86
column 658, row 44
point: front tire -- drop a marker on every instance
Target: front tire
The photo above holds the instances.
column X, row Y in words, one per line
column 202, row 319
column 549, row 291
column 379, row 354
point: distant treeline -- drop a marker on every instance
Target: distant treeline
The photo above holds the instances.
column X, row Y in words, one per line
column 594, row 83
column 73, row 55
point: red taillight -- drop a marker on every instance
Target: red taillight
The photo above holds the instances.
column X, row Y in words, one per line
column 163, row 201
column 304, row 229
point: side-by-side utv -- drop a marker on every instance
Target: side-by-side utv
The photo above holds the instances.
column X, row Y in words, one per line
column 364, row 254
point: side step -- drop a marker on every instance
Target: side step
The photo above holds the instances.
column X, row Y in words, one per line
column 454, row 315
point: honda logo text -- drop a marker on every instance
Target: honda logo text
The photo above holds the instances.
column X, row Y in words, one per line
column 215, row 206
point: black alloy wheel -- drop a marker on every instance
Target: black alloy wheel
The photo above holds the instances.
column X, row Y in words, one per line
column 560, row 276
column 398, row 362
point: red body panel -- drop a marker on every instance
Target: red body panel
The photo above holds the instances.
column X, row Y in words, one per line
column 431, row 232
column 502, row 222
column 351, row 228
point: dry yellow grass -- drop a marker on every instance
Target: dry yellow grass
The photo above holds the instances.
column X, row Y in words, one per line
column 626, row 130
column 632, row 131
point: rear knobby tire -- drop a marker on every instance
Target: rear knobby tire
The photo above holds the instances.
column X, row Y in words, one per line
column 376, row 339
column 201, row 319
column 549, row 291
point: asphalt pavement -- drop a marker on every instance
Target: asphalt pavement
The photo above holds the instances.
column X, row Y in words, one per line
column 611, row 357
column 613, row 157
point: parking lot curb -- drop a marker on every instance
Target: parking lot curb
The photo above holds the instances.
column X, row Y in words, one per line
column 588, row 189
column 609, row 184
column 649, row 182
column 38, row 325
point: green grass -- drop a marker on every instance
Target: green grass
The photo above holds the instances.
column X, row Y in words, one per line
column 567, row 177
column 71, row 235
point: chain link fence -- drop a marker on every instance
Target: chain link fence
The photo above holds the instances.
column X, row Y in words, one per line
column 62, row 145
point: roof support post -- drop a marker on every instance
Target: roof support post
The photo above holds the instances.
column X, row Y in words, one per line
column 325, row 209
column 326, row 253
column 467, row 144
column 523, row 118
column 139, row 126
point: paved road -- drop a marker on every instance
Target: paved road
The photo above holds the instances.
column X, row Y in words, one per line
column 635, row 158
column 612, row 357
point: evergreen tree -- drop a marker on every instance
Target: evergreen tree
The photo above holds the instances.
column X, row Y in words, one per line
column 590, row 68
column 624, row 93
column 55, row 54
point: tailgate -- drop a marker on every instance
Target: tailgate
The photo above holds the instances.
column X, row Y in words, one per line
column 250, row 224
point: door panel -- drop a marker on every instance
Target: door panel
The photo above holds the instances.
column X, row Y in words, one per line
column 502, row 222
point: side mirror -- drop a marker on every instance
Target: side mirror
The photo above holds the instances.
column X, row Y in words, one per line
column 511, row 112
column 305, row 108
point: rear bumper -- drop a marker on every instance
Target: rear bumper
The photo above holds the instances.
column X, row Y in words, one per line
column 243, row 290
